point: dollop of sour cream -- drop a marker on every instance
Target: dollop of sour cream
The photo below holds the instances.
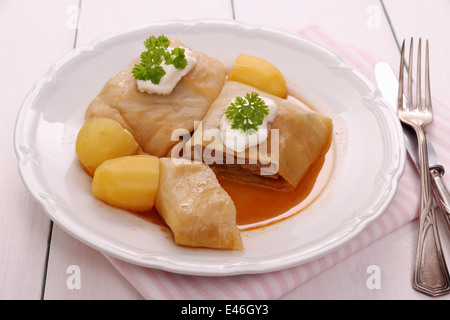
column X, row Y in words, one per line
column 237, row 140
column 171, row 78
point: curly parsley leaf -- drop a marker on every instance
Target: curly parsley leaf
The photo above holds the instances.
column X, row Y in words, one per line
column 152, row 42
column 177, row 58
column 247, row 113
column 157, row 54
column 149, row 68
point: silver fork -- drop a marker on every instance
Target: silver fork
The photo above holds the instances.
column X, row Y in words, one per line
column 430, row 273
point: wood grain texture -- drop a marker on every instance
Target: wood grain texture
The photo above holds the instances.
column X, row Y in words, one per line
column 32, row 38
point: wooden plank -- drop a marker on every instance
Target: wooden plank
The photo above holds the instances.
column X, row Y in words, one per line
column 429, row 20
column 347, row 27
column 100, row 17
column 32, row 38
column 99, row 279
column 78, row 272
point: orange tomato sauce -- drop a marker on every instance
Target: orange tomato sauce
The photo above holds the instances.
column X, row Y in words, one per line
column 257, row 206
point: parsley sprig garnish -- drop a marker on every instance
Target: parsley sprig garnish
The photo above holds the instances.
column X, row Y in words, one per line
column 247, row 113
column 156, row 54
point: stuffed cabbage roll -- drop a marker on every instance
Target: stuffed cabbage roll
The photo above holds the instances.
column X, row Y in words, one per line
column 302, row 137
column 151, row 118
column 196, row 208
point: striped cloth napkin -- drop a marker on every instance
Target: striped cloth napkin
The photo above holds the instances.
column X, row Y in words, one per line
column 157, row 284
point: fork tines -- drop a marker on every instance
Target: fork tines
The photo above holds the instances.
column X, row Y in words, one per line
column 409, row 67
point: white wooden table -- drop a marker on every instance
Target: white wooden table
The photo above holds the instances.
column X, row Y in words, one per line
column 35, row 254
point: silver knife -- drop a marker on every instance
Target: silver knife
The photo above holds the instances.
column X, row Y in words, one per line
column 388, row 86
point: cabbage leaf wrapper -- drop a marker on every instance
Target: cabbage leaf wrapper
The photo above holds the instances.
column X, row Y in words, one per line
column 302, row 137
column 152, row 118
column 197, row 209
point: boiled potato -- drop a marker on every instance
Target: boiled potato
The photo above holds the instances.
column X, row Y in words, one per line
column 128, row 182
column 258, row 73
column 100, row 139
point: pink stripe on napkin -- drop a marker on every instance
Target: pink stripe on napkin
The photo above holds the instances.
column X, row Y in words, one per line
column 157, row 284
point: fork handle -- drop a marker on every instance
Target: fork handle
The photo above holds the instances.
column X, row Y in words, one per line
column 442, row 194
column 430, row 274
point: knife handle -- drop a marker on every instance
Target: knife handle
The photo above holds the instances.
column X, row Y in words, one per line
column 441, row 193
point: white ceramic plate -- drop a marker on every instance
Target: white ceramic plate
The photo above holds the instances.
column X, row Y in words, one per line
column 367, row 148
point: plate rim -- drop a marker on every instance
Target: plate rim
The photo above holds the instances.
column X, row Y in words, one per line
column 23, row 155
